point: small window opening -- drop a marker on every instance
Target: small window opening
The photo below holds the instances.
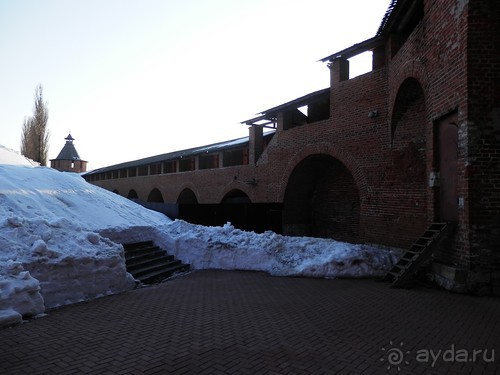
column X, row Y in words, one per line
column 360, row 64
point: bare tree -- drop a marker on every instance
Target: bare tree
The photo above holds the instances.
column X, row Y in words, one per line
column 27, row 144
column 35, row 135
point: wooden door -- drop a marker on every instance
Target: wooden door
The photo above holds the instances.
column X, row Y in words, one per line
column 448, row 161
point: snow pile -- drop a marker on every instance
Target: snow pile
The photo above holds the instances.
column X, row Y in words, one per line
column 71, row 264
column 19, row 293
column 60, row 243
column 51, row 251
column 8, row 156
column 230, row 248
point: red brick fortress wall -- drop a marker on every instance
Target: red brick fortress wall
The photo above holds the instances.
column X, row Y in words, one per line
column 375, row 170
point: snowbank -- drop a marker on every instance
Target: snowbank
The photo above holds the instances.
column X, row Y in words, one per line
column 19, row 293
column 233, row 249
column 49, row 229
column 11, row 157
column 60, row 243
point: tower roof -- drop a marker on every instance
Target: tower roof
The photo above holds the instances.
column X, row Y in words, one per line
column 68, row 152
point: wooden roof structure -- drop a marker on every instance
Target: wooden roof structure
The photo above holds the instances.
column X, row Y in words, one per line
column 269, row 116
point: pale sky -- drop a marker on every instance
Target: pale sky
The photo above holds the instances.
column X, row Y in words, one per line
column 131, row 79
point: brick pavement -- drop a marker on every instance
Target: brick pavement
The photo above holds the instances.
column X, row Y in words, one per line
column 222, row 322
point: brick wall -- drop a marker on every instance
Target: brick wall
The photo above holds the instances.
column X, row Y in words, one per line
column 447, row 66
column 483, row 133
column 76, row 166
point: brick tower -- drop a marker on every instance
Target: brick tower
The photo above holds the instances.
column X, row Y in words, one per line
column 68, row 159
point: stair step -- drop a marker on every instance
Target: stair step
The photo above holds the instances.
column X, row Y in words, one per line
column 141, row 251
column 159, row 275
column 149, row 263
column 431, row 233
column 398, row 268
column 424, row 241
column 155, row 267
column 137, row 245
column 417, row 247
column 427, row 238
column 130, row 261
column 403, row 265
column 439, row 226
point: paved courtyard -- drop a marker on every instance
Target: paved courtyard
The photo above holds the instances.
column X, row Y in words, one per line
column 225, row 322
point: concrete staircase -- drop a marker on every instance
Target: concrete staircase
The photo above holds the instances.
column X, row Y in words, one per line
column 150, row 264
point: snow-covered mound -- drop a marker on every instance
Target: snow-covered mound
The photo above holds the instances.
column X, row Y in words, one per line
column 60, row 243
column 51, row 252
column 8, row 156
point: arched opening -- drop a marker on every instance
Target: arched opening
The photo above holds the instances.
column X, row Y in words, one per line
column 155, row 202
column 404, row 183
column 155, row 196
column 187, row 196
column 322, row 200
column 132, row 194
column 408, row 114
column 189, row 209
column 236, row 208
column 407, row 160
column 236, row 196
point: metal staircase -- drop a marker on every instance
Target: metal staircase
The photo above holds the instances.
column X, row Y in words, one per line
column 421, row 250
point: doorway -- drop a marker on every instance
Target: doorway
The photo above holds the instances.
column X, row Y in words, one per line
column 448, row 168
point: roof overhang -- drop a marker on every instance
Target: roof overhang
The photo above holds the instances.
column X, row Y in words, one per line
column 356, row 49
column 397, row 16
column 269, row 116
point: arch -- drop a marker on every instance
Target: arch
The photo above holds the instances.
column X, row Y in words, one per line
column 403, row 181
column 410, row 69
column 409, row 106
column 155, row 196
column 132, row 194
column 407, row 166
column 236, row 208
column 334, row 150
column 187, row 196
column 189, row 209
column 236, row 196
column 116, row 191
column 237, row 183
column 322, row 200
